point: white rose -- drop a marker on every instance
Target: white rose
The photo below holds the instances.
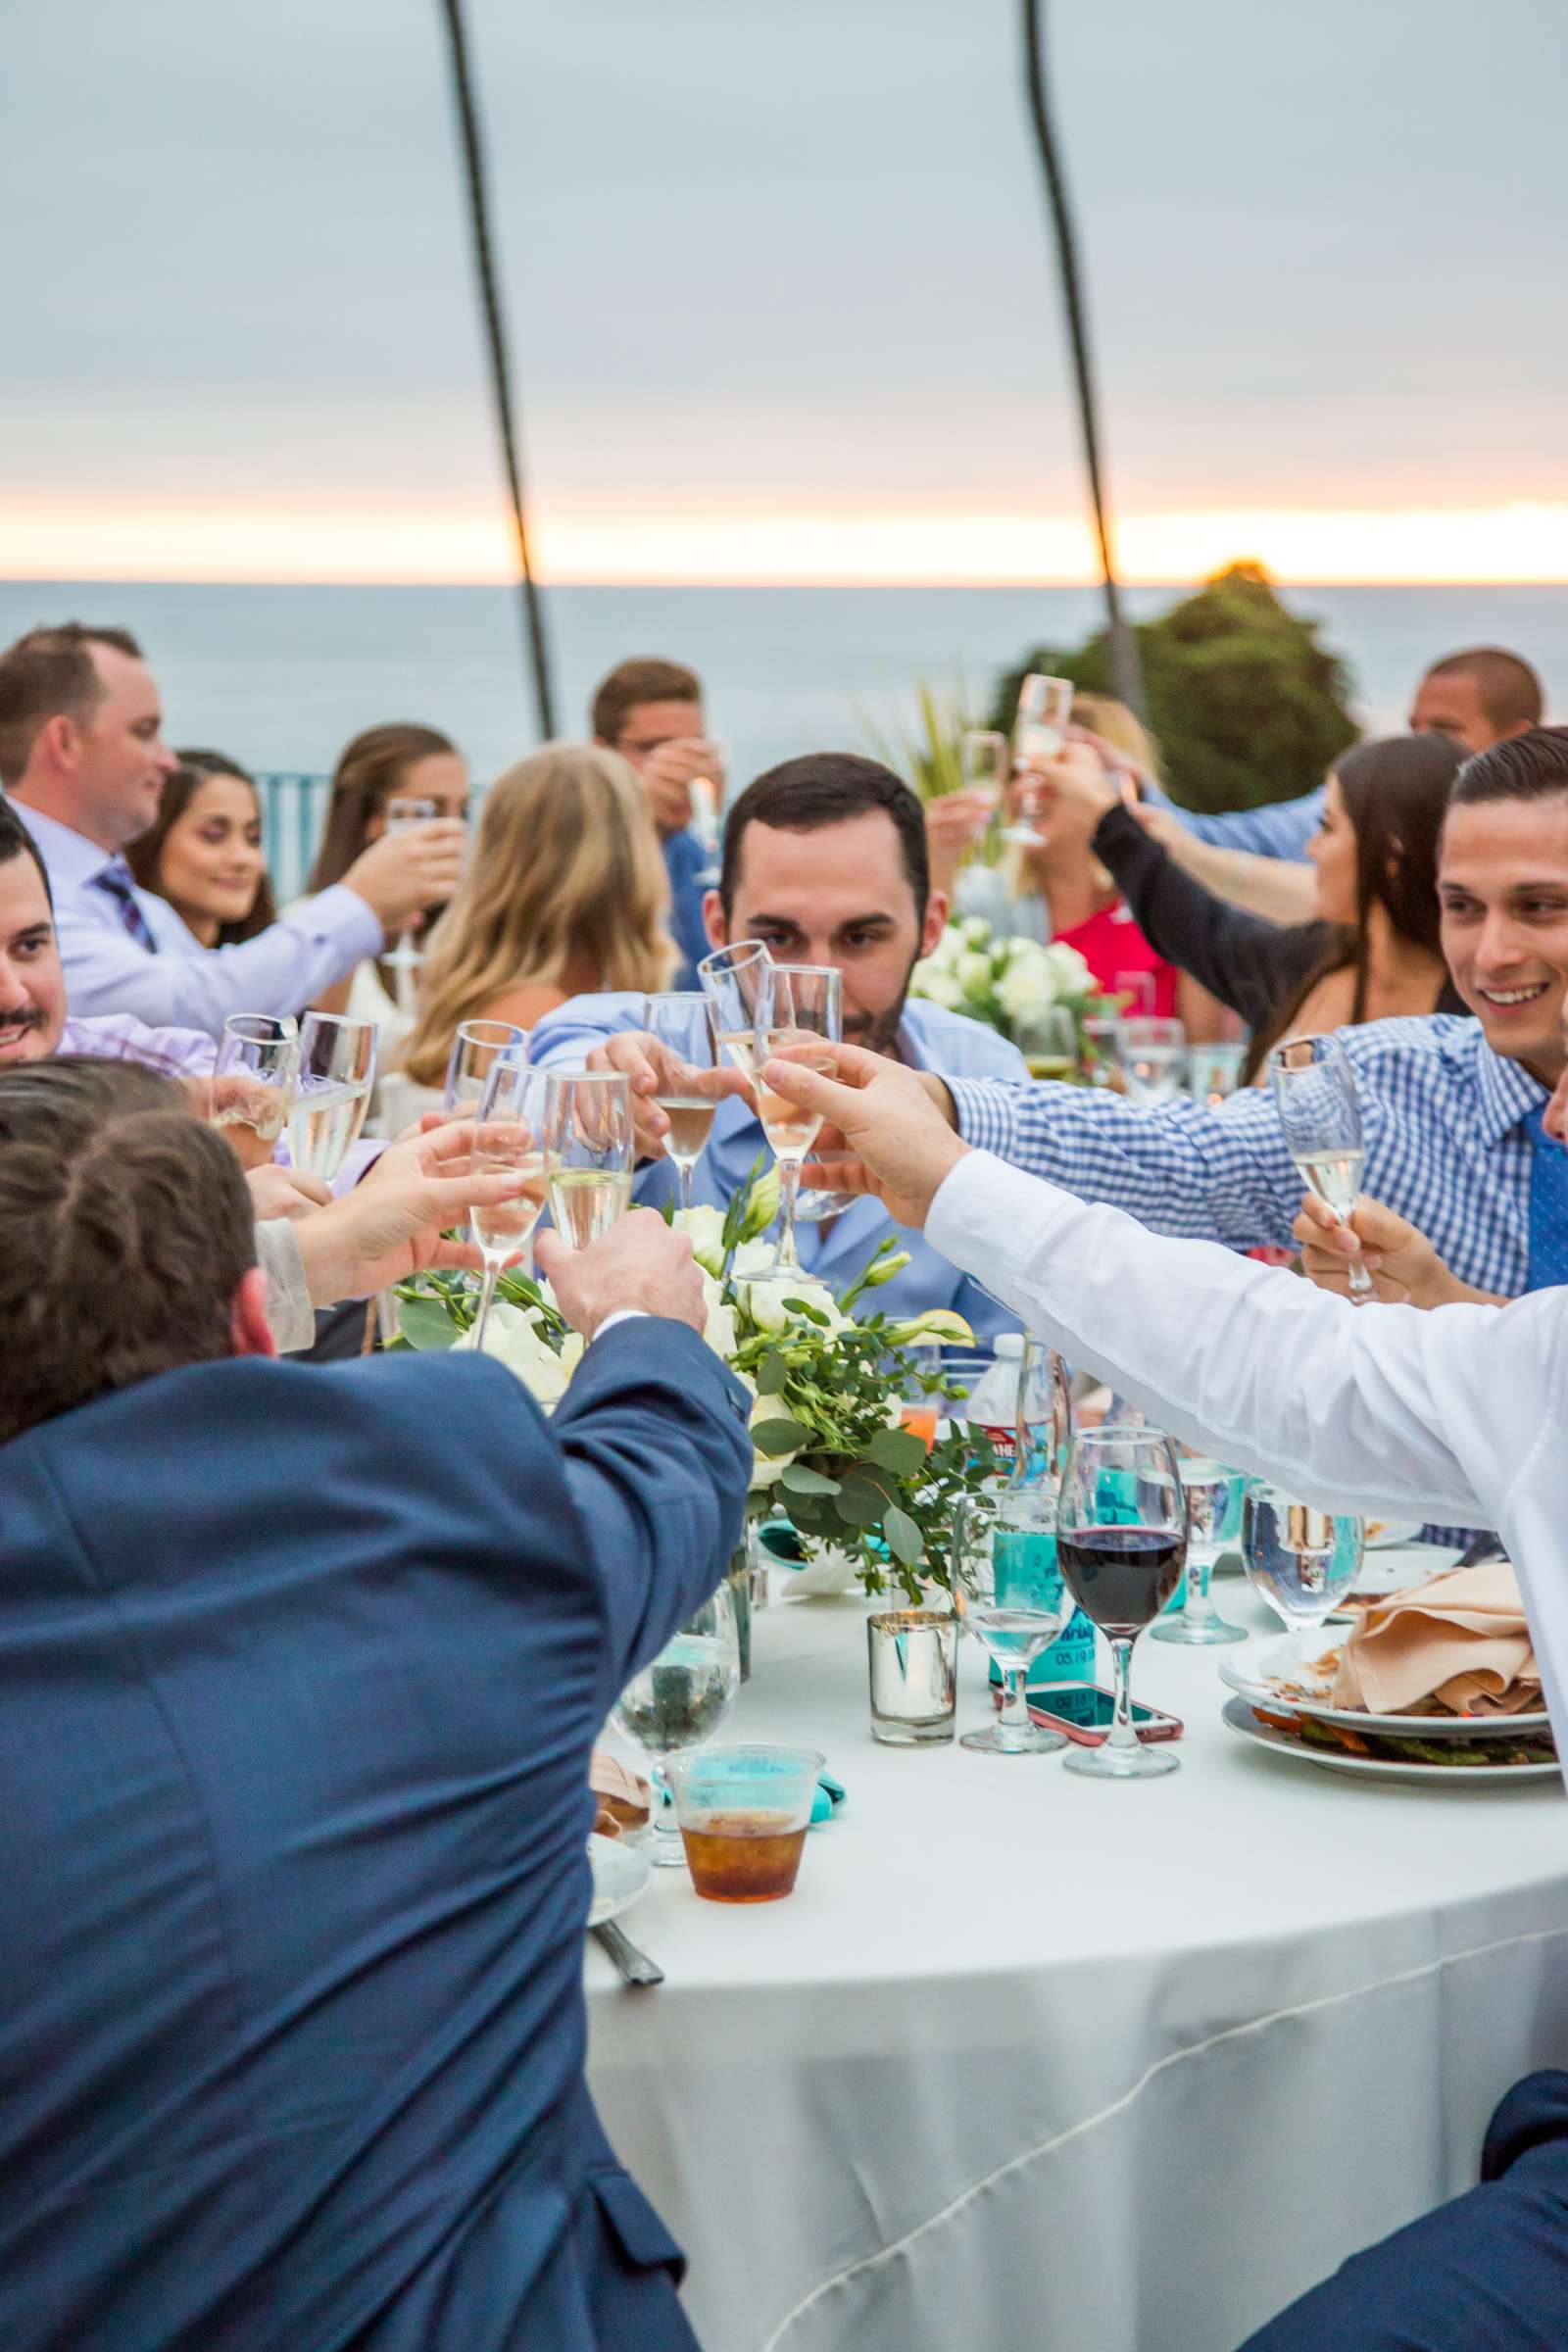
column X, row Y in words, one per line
column 1068, row 970
column 1024, row 988
column 703, row 1227
column 975, row 931
column 975, row 974
column 515, row 1340
column 766, row 1468
column 939, row 988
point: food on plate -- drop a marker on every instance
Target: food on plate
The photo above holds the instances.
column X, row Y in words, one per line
column 1531, row 1747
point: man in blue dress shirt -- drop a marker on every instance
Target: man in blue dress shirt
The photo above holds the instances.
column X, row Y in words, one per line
column 300, row 1673
column 651, row 711
column 82, row 755
column 825, row 860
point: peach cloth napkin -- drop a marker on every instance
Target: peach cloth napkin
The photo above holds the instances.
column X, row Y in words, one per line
column 1461, row 1639
column 622, row 1797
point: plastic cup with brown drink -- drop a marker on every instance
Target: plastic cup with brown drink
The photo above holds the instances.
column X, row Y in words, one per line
column 743, row 1814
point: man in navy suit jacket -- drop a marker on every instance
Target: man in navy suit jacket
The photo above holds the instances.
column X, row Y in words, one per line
column 299, row 1668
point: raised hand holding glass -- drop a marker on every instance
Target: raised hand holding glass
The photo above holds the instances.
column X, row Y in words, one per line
column 737, row 982
column 254, row 1076
column 807, row 1003
column 1320, row 1117
column 507, row 1136
column 476, row 1049
column 589, row 1144
column 683, row 1024
column 337, row 1072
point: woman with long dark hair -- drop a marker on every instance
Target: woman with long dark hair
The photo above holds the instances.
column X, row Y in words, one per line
column 1373, row 954
column 204, row 853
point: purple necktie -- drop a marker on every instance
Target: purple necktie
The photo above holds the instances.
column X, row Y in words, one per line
column 117, row 883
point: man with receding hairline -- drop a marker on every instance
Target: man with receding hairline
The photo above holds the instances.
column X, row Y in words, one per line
column 651, row 711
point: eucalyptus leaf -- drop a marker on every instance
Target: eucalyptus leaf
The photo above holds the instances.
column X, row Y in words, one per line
column 425, row 1323
column 899, row 1450
column 861, row 1503
column 904, row 1538
column 799, row 1479
column 771, row 1374
column 780, row 1436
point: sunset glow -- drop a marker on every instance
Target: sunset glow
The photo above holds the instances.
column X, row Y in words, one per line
column 332, row 539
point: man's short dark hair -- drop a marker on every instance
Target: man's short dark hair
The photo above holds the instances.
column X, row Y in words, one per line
column 48, row 674
column 829, row 788
column 644, row 680
column 1526, row 767
column 16, row 842
column 1511, row 694
column 125, row 1228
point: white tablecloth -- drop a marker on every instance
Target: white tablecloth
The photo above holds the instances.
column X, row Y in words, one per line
column 1028, row 2058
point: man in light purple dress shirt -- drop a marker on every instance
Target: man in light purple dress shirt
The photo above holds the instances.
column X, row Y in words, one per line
column 82, row 755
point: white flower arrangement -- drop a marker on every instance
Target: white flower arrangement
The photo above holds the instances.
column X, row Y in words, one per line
column 1006, row 983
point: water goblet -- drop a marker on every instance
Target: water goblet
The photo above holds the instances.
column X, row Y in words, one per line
column 1213, row 1497
column 1010, row 1599
column 1301, row 1560
column 1320, row 1117
column 1154, row 1059
column 688, row 1095
column 589, row 1148
column 679, row 1700
column 1121, row 1538
column 476, row 1049
column 332, row 1093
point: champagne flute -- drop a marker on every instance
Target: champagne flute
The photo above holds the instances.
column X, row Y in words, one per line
column 1213, row 1498
column 1320, row 1114
column 683, row 1024
column 476, row 1049
column 255, row 1075
column 679, row 1701
column 337, row 1072
column 1039, row 731
column 807, row 1003
column 734, row 979
column 405, row 811
column 1154, row 1059
column 983, row 765
column 589, row 1148
column 1301, row 1560
column 707, row 799
column 1121, row 1536
column 1011, row 1600
column 507, row 1135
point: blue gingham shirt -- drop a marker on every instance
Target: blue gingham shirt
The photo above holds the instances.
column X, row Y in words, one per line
column 1446, row 1147
column 1283, row 829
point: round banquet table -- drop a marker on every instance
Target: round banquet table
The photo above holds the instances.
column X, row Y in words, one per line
column 1028, row 2058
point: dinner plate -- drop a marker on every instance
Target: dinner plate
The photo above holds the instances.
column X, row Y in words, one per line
column 1249, row 1670
column 621, row 1872
column 1393, row 1534
column 1237, row 1717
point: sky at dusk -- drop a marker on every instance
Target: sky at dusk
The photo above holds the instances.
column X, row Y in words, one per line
column 780, row 294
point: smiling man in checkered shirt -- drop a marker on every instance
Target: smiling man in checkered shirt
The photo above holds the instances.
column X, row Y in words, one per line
column 1449, row 1105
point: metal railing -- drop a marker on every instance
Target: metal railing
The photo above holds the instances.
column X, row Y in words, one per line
column 293, row 813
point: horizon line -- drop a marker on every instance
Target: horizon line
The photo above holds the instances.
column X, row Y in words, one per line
column 1090, row 584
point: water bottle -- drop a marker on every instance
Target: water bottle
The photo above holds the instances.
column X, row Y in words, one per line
column 1044, row 1433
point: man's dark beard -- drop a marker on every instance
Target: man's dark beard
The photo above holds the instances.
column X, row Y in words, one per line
column 25, row 1017
column 878, row 1033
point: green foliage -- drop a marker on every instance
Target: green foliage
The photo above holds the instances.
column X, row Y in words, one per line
column 1245, row 703
column 930, row 758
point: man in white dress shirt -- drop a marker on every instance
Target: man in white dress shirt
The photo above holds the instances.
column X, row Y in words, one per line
column 1386, row 1409
column 82, row 754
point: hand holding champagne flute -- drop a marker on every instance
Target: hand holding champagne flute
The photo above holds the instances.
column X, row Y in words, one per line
column 1320, row 1114
column 253, row 1081
column 803, row 1002
column 1039, row 731
column 589, row 1148
column 688, row 1091
column 337, row 1072
column 404, row 813
column 506, row 1139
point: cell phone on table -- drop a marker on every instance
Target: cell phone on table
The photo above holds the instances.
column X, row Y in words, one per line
column 1085, row 1711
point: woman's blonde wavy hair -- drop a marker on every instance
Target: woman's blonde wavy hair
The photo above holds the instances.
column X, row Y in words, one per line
column 566, row 868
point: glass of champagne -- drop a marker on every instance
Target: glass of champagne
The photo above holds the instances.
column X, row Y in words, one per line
column 1320, row 1114
column 683, row 1024
column 708, row 801
column 476, row 1049
column 807, row 1003
column 589, row 1146
column 1213, row 1497
column 1301, row 1560
column 734, row 980
column 1121, row 1536
column 1039, row 731
column 1154, row 1059
column 677, row 1703
column 983, row 766
column 338, row 1070
column 404, row 813
column 507, row 1136
column 254, row 1076
column 1011, row 1600
column 1047, row 1040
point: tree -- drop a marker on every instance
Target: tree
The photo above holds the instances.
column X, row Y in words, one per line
column 1246, row 704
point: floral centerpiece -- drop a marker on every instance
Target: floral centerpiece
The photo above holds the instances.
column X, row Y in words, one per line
column 1011, row 984
column 831, row 1456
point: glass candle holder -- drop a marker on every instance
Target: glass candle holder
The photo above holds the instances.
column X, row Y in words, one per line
column 914, row 1677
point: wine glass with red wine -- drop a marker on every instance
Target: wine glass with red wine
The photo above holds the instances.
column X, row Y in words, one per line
column 1121, row 1538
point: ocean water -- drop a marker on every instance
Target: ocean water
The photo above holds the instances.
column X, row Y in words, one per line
column 282, row 676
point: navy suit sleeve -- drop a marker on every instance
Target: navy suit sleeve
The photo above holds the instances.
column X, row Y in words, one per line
column 657, row 1457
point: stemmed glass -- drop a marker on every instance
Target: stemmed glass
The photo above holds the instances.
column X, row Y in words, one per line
column 255, row 1075
column 734, row 979
column 589, row 1148
column 1010, row 1599
column 1121, row 1536
column 683, row 1024
column 337, row 1072
column 706, row 798
column 404, row 812
column 476, row 1049
column 1039, row 731
column 983, row 766
column 1320, row 1115
column 1154, row 1059
column 1213, row 1497
column 677, row 1703
column 1301, row 1561
column 506, row 1134
column 805, row 1001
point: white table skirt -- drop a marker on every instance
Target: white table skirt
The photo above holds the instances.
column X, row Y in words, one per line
column 1028, row 2058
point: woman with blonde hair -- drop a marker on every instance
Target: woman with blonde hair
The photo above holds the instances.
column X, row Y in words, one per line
column 566, row 895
